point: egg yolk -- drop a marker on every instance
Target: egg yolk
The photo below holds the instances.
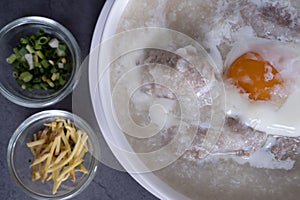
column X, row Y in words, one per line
column 254, row 76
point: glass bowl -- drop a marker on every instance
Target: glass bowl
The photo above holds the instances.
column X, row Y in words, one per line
column 19, row 157
column 10, row 36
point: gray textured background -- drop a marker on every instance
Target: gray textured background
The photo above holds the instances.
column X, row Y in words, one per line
column 80, row 18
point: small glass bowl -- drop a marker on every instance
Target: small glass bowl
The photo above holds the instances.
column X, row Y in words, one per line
column 19, row 157
column 10, row 36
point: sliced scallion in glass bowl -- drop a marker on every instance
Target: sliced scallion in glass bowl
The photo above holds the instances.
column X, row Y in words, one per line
column 39, row 62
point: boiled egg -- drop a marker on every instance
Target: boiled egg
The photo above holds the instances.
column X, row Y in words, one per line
column 262, row 83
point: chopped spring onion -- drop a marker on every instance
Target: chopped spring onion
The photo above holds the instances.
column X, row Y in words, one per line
column 54, row 43
column 22, row 51
column 45, row 63
column 60, row 65
column 24, row 41
column 26, row 76
column 11, row 58
column 50, row 83
column 62, row 47
column 30, row 49
column 63, row 60
column 51, row 62
column 40, row 54
column 42, row 40
column 40, row 62
column 55, row 76
column 29, row 60
column 60, row 52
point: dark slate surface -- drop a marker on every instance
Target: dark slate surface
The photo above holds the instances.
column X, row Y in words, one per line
column 80, row 18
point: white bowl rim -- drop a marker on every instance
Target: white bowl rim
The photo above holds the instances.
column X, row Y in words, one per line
column 148, row 180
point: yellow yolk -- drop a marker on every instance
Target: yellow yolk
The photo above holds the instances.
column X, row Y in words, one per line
column 254, row 76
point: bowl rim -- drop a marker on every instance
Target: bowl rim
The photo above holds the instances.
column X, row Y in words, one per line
column 74, row 77
column 52, row 114
column 103, row 31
